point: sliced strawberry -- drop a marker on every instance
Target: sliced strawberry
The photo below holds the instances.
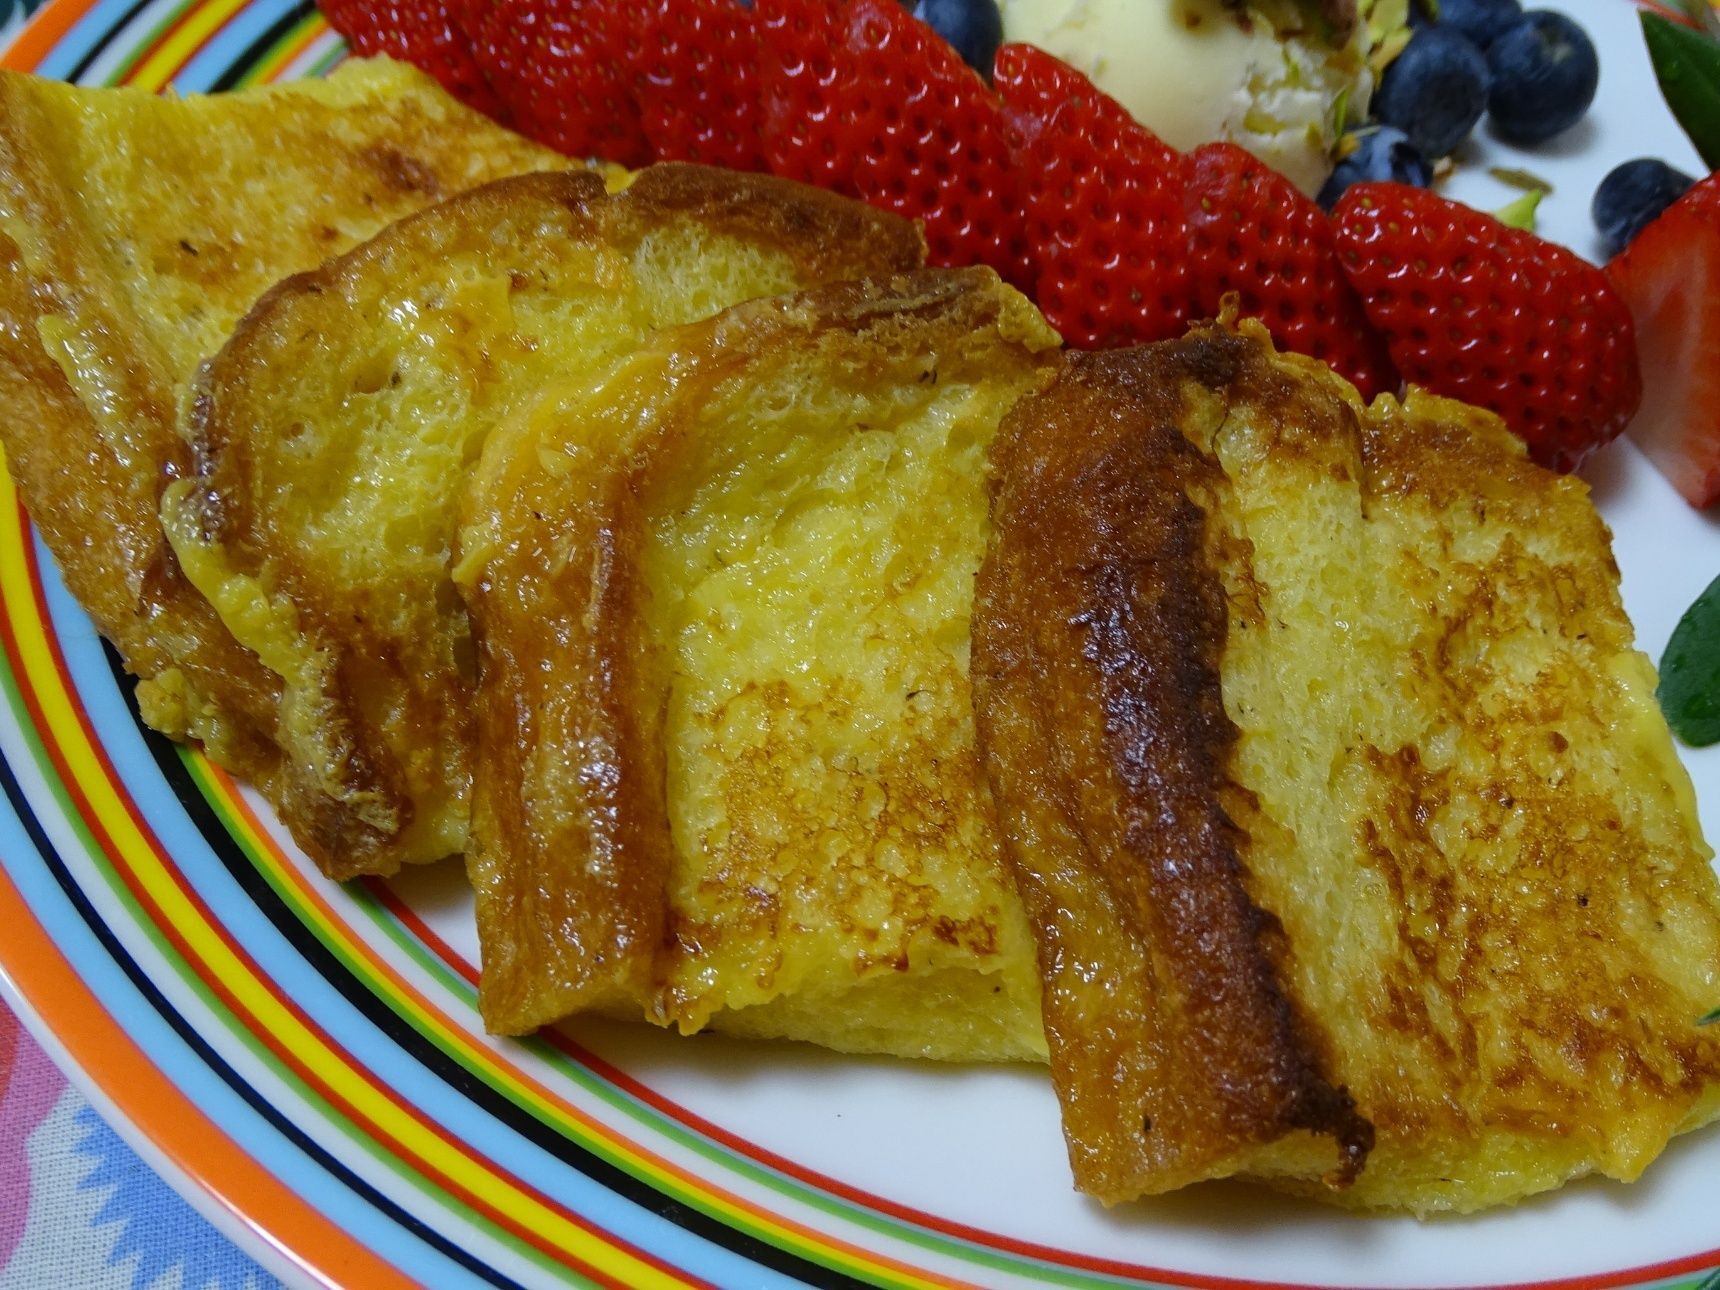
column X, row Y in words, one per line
column 562, row 69
column 417, row 32
column 1253, row 233
column 862, row 97
column 1494, row 316
column 697, row 64
column 1105, row 205
column 1669, row 277
column 802, row 89
column 936, row 146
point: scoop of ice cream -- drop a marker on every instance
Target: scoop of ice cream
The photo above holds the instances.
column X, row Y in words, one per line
column 1198, row 70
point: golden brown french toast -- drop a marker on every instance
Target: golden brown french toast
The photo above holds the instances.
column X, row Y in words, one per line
column 726, row 771
column 135, row 231
column 1338, row 796
column 332, row 432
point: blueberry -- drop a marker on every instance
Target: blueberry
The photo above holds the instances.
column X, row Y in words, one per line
column 974, row 27
column 1544, row 77
column 1434, row 91
column 1631, row 198
column 1483, row 21
column 1382, row 153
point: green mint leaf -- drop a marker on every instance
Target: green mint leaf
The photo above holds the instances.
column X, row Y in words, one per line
column 1687, row 65
column 1710, row 1019
column 1689, row 688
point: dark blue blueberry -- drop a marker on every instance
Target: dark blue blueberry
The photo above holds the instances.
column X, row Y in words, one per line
column 1631, row 198
column 1382, row 153
column 1435, row 91
column 1544, row 77
column 974, row 27
column 1483, row 21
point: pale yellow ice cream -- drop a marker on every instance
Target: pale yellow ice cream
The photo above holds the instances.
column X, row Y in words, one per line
column 1197, row 70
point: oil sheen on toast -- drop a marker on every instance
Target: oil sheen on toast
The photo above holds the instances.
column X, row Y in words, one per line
column 726, row 771
column 1454, row 872
column 333, row 430
column 136, row 229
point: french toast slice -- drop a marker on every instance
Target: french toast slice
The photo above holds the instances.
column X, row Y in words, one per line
column 726, row 772
column 1385, row 832
column 332, row 432
column 135, row 230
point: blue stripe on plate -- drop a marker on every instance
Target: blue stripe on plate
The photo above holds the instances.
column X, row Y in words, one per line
column 233, row 45
column 324, row 1003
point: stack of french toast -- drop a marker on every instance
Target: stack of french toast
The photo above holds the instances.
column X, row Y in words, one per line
column 800, row 643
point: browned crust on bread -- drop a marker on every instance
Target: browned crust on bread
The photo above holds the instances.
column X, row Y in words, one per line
column 354, row 833
column 512, row 205
column 1100, row 622
column 94, row 490
column 570, row 858
column 91, row 462
column 359, row 822
column 826, row 234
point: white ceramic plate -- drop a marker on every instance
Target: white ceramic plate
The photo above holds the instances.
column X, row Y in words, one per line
column 306, row 1059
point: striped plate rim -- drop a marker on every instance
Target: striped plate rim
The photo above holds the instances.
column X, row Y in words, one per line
column 110, row 898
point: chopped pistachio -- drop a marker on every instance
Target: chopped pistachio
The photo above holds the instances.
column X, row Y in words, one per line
column 1521, row 212
column 1523, row 180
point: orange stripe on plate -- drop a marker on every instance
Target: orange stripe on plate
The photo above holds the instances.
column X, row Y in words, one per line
column 43, row 32
column 167, row 1118
column 323, row 1065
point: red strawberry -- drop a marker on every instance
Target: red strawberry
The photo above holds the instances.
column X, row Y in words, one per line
column 560, row 66
column 1252, row 232
column 800, row 97
column 1494, row 316
column 937, row 146
column 864, row 97
column 417, row 32
column 1105, row 205
column 1669, row 277
column 697, row 64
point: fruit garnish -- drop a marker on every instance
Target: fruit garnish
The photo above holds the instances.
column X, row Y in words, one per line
column 931, row 141
column 1687, row 65
column 799, row 91
column 1689, row 689
column 1105, row 205
column 697, row 64
column 423, row 34
column 1436, row 90
column 1669, row 277
column 561, row 67
column 1480, row 21
column 1544, row 74
column 1632, row 196
column 1377, row 153
column 1493, row 316
column 1253, row 234
column 862, row 97
column 973, row 28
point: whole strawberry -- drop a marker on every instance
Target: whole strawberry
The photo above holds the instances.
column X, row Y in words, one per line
column 417, row 32
column 696, row 64
column 562, row 69
column 1105, row 205
column 1494, row 316
column 1669, row 277
column 1252, row 233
